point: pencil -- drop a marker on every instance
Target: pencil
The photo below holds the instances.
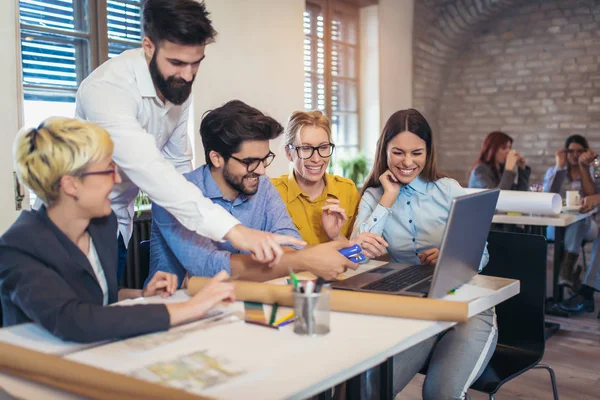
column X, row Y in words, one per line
column 287, row 317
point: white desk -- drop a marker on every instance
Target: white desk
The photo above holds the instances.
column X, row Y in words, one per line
column 284, row 365
column 561, row 220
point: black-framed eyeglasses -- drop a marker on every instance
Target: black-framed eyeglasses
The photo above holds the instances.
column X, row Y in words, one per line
column 253, row 163
column 305, row 152
column 112, row 171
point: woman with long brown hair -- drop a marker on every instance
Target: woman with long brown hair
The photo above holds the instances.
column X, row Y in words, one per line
column 407, row 201
column 497, row 165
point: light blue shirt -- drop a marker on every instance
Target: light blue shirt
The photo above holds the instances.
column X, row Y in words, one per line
column 175, row 249
column 416, row 220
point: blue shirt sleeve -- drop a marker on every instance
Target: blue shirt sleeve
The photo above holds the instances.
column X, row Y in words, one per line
column 177, row 250
column 278, row 219
column 371, row 215
column 549, row 178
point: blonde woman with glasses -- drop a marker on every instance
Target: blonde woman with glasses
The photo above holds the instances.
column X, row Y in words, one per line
column 58, row 265
column 322, row 206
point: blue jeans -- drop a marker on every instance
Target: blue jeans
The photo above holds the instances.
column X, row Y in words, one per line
column 456, row 358
column 575, row 233
column 121, row 258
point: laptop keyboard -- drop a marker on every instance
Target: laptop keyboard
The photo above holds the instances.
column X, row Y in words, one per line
column 402, row 279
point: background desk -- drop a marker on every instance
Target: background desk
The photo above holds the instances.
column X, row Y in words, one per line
column 560, row 222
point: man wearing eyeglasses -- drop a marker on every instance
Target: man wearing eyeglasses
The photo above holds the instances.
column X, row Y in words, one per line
column 142, row 98
column 236, row 146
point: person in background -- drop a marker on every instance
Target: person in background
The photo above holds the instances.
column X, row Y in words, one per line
column 142, row 98
column 236, row 139
column 407, row 201
column 322, row 205
column 58, row 264
column 583, row 298
column 498, row 165
column 572, row 171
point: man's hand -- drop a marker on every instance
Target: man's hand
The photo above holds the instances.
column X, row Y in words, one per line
column 324, row 260
column 264, row 246
column 333, row 218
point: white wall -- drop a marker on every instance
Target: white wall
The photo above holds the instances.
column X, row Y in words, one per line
column 369, row 80
column 257, row 58
column 395, row 56
column 9, row 108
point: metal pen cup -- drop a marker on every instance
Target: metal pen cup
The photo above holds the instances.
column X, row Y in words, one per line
column 312, row 312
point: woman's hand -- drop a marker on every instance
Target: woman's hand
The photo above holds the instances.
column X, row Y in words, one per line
column 589, row 203
column 521, row 162
column 586, row 159
column 212, row 294
column 162, row 283
column 511, row 160
column 372, row 244
column 561, row 158
column 391, row 188
column 429, row 256
column 333, row 218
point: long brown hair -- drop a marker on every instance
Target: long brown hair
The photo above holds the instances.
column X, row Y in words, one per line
column 403, row 121
column 492, row 143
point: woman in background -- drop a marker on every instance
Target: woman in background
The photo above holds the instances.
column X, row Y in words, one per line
column 408, row 202
column 322, row 206
column 498, row 164
column 572, row 171
column 58, row 265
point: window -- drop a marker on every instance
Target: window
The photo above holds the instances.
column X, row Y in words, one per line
column 62, row 41
column 331, row 68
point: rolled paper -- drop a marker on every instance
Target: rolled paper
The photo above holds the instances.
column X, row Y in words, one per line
column 526, row 202
column 82, row 379
column 351, row 302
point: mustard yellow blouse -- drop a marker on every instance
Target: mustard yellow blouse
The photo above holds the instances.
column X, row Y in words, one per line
column 306, row 214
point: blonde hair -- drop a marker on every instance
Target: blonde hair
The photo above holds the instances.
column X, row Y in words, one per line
column 299, row 119
column 56, row 148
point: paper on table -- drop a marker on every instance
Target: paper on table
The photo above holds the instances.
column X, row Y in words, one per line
column 33, row 336
column 526, row 202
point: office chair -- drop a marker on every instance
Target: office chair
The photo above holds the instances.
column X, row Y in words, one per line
column 521, row 341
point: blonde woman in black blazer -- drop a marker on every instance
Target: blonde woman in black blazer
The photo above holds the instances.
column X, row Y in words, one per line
column 58, row 265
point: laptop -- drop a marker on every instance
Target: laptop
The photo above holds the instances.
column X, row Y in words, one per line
column 462, row 246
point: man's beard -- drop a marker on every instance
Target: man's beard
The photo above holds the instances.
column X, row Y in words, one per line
column 175, row 90
column 238, row 183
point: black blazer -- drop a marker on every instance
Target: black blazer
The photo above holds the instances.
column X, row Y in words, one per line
column 46, row 278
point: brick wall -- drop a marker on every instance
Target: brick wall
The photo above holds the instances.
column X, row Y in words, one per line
column 529, row 68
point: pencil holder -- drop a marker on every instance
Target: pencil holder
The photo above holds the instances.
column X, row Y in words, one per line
column 312, row 312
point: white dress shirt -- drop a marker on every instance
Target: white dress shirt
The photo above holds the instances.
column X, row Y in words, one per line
column 152, row 147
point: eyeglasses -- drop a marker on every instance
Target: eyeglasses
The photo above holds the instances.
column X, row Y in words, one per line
column 576, row 151
column 112, row 171
column 253, row 163
column 306, row 152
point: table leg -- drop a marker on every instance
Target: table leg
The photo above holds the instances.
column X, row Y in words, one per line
column 559, row 250
column 386, row 379
column 353, row 387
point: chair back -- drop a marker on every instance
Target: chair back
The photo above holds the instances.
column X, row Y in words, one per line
column 144, row 261
column 520, row 318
